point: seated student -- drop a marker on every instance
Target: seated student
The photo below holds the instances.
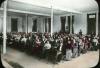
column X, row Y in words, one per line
column 89, row 43
column 37, row 42
column 23, row 43
column 99, row 43
column 75, row 48
column 36, row 47
column 86, row 44
column 55, row 43
column 59, row 52
column 68, row 49
column 60, row 45
column 1, row 40
column 81, row 44
column 17, row 39
column 46, row 49
column 23, row 40
column 94, row 43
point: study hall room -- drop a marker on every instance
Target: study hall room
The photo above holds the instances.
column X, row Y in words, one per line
column 49, row 33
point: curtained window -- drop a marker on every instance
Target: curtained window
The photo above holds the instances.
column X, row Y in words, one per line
column 45, row 24
column 49, row 23
column 72, row 24
column 69, row 24
column 34, row 29
column 63, row 20
column 14, row 24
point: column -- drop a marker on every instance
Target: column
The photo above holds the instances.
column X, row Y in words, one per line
column 4, row 26
column 19, row 24
column 43, row 24
column 66, row 24
column 97, row 23
column 1, row 24
column 47, row 26
column 71, row 24
column 51, row 17
column 27, row 22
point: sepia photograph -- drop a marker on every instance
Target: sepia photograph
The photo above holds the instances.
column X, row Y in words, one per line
column 49, row 33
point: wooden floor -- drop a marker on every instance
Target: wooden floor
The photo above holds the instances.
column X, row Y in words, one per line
column 87, row 60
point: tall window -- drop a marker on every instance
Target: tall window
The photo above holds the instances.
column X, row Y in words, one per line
column 46, row 25
column 72, row 24
column 63, row 20
column 14, row 24
column 49, row 23
column 34, row 29
column 69, row 24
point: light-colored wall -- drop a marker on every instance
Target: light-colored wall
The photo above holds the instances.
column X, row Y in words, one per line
column 56, row 24
column 30, row 24
column 9, row 23
column 1, row 24
column 40, row 25
column 80, row 22
column 24, row 24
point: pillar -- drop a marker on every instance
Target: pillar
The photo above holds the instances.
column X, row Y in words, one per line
column 51, row 17
column 4, row 26
column 97, row 23
column 47, row 25
column 44, row 25
column 71, row 23
column 27, row 22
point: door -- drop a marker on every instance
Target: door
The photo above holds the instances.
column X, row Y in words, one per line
column 91, row 23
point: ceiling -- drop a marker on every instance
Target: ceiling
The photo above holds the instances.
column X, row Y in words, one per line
column 59, row 6
column 78, row 5
column 33, row 8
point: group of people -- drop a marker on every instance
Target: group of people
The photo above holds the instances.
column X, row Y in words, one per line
column 56, row 47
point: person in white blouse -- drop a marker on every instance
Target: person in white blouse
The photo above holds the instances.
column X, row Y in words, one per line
column 46, row 49
column 95, row 42
column 47, row 45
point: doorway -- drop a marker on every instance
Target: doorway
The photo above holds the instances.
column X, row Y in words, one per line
column 91, row 23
